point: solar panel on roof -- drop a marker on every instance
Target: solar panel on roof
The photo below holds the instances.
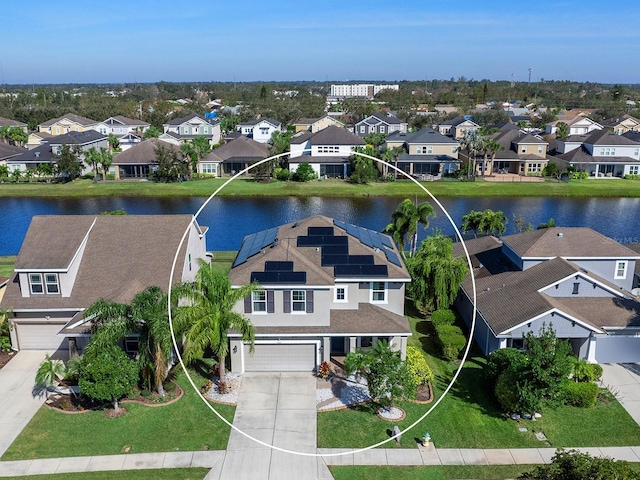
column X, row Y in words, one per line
column 375, row 239
column 340, row 223
column 312, row 231
column 278, row 266
column 270, row 278
column 360, row 271
column 335, row 250
column 361, row 260
column 374, row 270
column 386, row 240
column 331, row 260
column 392, row 257
column 353, row 230
column 365, row 237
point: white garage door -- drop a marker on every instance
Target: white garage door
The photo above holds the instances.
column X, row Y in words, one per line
column 33, row 336
column 280, row 358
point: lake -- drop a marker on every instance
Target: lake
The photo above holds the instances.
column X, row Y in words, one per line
column 230, row 219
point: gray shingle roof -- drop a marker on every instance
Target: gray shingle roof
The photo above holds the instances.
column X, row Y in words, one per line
column 333, row 135
column 428, row 135
column 8, row 151
column 77, row 138
column 605, row 137
column 271, row 121
column 41, row 154
column 181, row 120
column 143, row 153
column 72, row 117
column 8, row 122
column 121, row 120
column 241, row 147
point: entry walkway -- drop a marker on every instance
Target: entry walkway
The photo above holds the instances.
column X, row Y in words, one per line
column 623, row 380
column 18, row 400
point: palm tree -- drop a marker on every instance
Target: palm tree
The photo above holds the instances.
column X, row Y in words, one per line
column 405, row 221
column 208, row 315
column 473, row 144
column 50, row 372
column 92, row 158
column 491, row 147
column 106, row 158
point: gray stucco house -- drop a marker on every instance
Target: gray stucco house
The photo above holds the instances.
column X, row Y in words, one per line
column 574, row 279
column 327, row 288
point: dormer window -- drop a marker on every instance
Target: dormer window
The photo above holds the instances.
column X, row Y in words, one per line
column 44, row 283
column 35, row 282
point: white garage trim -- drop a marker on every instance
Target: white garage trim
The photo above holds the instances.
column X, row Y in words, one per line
column 315, row 343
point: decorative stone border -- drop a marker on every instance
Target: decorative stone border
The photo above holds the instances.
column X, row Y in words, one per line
column 125, row 400
column 392, row 420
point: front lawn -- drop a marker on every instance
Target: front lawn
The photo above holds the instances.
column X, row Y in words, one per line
column 469, row 417
column 157, row 474
column 187, row 425
column 429, row 473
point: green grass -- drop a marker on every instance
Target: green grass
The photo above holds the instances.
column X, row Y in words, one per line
column 222, row 260
column 6, row 265
column 326, row 188
column 156, row 474
column 187, row 425
column 428, row 473
column 470, row 418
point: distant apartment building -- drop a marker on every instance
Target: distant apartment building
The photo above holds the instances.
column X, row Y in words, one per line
column 359, row 89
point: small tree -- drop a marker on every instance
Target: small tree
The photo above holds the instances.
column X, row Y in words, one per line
column 114, row 142
column 68, row 165
column 50, row 372
column 107, row 375
column 151, row 132
column 487, row 221
column 362, row 168
column 562, row 130
column 304, row 173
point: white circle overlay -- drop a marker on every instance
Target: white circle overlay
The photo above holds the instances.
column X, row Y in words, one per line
column 337, row 454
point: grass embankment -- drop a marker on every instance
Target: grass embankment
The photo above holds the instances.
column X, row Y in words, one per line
column 6, row 265
column 186, row 425
column 327, row 188
column 470, row 418
column 157, row 474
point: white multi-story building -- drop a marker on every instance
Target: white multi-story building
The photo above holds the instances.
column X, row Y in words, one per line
column 359, row 89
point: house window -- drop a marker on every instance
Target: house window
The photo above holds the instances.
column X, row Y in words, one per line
column 636, row 151
column 378, row 292
column 366, row 342
column 259, row 301
column 35, row 281
column 534, row 167
column 381, row 128
column 340, row 294
column 299, row 301
column 189, row 262
column 264, row 130
column 454, row 149
column 634, row 169
column 51, row 282
column 429, row 149
column 524, row 149
column 540, row 148
column 576, row 288
column 209, row 168
column 363, row 129
column 621, row 270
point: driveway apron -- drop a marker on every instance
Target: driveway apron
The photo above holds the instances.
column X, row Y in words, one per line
column 19, row 402
column 623, row 380
column 280, row 410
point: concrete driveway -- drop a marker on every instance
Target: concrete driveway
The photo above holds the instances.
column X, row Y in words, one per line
column 280, row 410
column 18, row 401
column 623, row 380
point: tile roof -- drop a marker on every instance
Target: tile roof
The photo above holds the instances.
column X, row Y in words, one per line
column 73, row 118
column 122, row 256
column 143, row 153
column 308, row 259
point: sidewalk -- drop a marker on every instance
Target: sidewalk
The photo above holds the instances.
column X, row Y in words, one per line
column 397, row 456
column 18, row 404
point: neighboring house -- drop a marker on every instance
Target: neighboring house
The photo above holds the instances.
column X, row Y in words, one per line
column 67, row 123
column 232, row 157
column 578, row 124
column 37, row 138
column 457, row 127
column 326, row 288
column 129, row 140
column 139, row 161
column 46, row 152
column 67, row 262
column 327, row 151
column 574, row 279
column 7, row 152
column 259, row 129
column 522, row 153
column 624, row 124
column 427, row 153
column 314, row 125
column 120, row 126
column 181, row 130
column 379, row 123
column 602, row 153
column 8, row 122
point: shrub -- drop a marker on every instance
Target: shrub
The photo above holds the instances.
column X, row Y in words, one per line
column 499, row 360
column 418, row 367
column 579, row 394
column 208, row 385
column 324, row 370
column 506, row 390
column 584, row 371
column 88, row 176
column 110, row 176
column 304, row 173
column 452, row 341
column 282, row 174
column 442, row 317
column 145, row 393
column 632, row 176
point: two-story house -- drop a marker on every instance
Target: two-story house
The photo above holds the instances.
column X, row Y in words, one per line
column 67, row 123
column 326, row 288
column 625, row 123
column 327, row 151
column 378, row 122
column 457, row 127
column 574, row 279
column 233, row 157
column 578, row 124
column 67, row 262
column 259, row 129
column 519, row 153
column 426, row 153
column 602, row 153
column 121, row 126
column 181, row 130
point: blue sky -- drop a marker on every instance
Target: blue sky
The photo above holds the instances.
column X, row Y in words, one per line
column 207, row 40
